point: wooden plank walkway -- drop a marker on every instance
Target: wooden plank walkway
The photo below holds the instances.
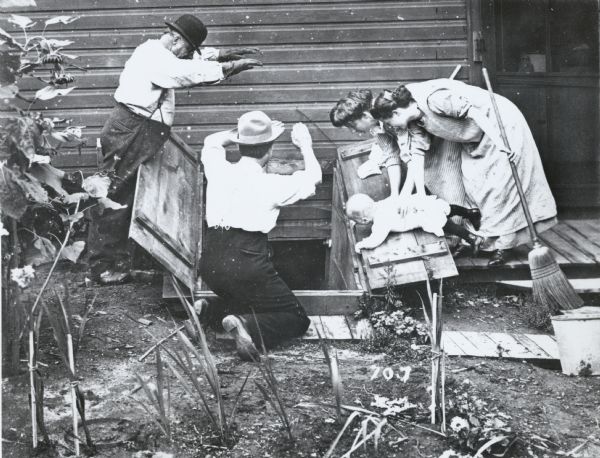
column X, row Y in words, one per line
column 455, row 343
column 499, row 345
column 575, row 244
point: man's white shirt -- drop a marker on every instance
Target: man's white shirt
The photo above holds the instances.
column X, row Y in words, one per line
column 152, row 68
column 242, row 195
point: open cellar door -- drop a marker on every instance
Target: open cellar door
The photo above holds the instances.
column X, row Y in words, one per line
column 168, row 209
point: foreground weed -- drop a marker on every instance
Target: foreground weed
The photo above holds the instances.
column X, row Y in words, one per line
column 181, row 364
column 157, row 406
column 334, row 374
column 271, row 391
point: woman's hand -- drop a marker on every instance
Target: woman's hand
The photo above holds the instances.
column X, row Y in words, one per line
column 511, row 154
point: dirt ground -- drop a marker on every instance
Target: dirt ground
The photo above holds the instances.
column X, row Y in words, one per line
column 550, row 413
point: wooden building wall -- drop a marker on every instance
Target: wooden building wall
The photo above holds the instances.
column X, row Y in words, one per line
column 314, row 53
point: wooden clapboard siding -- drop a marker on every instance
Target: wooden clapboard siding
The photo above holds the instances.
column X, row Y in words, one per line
column 314, row 53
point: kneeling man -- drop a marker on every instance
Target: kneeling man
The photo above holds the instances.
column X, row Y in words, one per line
column 242, row 206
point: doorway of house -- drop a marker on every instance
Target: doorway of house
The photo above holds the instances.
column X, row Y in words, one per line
column 544, row 56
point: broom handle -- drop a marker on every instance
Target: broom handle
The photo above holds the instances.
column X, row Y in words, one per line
column 513, row 168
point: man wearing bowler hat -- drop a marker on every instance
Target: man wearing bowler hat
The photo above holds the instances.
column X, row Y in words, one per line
column 140, row 123
column 242, row 206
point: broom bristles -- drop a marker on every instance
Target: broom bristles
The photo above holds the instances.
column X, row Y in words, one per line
column 550, row 287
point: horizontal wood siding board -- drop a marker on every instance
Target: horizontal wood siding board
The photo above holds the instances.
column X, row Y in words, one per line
column 88, row 6
column 294, row 34
column 314, row 53
column 223, row 95
column 259, row 15
column 391, row 72
column 327, row 53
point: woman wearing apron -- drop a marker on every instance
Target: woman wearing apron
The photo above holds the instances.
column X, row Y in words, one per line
column 458, row 112
column 398, row 147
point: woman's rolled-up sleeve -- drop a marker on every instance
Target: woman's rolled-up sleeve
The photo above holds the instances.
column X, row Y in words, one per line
column 448, row 103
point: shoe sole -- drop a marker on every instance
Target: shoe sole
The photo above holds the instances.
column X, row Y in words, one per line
column 243, row 342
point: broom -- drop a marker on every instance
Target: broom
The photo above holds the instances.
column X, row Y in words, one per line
column 550, row 288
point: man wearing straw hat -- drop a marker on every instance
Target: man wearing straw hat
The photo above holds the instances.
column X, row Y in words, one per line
column 242, row 206
column 140, row 123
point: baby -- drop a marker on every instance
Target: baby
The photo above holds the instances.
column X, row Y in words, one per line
column 405, row 213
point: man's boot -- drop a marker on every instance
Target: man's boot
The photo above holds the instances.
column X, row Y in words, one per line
column 243, row 342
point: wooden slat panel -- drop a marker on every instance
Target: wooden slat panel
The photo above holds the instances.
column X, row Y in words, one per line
column 586, row 251
column 340, row 271
column 466, row 345
column 84, row 5
column 546, row 343
column 227, row 93
column 393, row 255
column 309, row 73
column 301, row 34
column 577, row 230
column 301, row 230
column 323, row 302
column 564, row 253
column 497, row 344
column 381, row 263
column 333, row 327
column 511, row 348
column 324, row 54
column 532, row 346
column 307, row 210
column 263, row 16
column 284, row 161
column 162, row 221
column 450, row 347
column 482, row 342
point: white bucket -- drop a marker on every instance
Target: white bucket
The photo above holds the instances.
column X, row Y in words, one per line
column 578, row 337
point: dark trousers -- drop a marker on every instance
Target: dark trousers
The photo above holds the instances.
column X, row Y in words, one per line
column 236, row 265
column 128, row 140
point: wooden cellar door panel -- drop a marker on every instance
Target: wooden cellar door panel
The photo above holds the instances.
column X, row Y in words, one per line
column 405, row 257
column 168, row 209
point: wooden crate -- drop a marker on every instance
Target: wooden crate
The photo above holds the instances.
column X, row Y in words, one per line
column 406, row 257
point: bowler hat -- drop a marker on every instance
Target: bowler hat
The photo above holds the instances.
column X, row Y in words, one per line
column 191, row 29
column 255, row 128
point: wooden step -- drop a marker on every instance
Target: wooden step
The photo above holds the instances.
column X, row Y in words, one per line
column 581, row 285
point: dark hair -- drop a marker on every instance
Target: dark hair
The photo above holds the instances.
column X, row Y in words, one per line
column 351, row 107
column 386, row 102
column 255, row 151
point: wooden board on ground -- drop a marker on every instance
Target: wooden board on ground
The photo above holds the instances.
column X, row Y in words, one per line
column 499, row 345
column 403, row 258
column 167, row 211
column 581, row 285
column 331, row 327
column 315, row 302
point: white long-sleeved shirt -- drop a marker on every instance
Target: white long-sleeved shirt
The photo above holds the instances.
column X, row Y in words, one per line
column 243, row 195
column 152, row 68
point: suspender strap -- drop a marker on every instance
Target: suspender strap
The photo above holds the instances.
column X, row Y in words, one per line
column 161, row 99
